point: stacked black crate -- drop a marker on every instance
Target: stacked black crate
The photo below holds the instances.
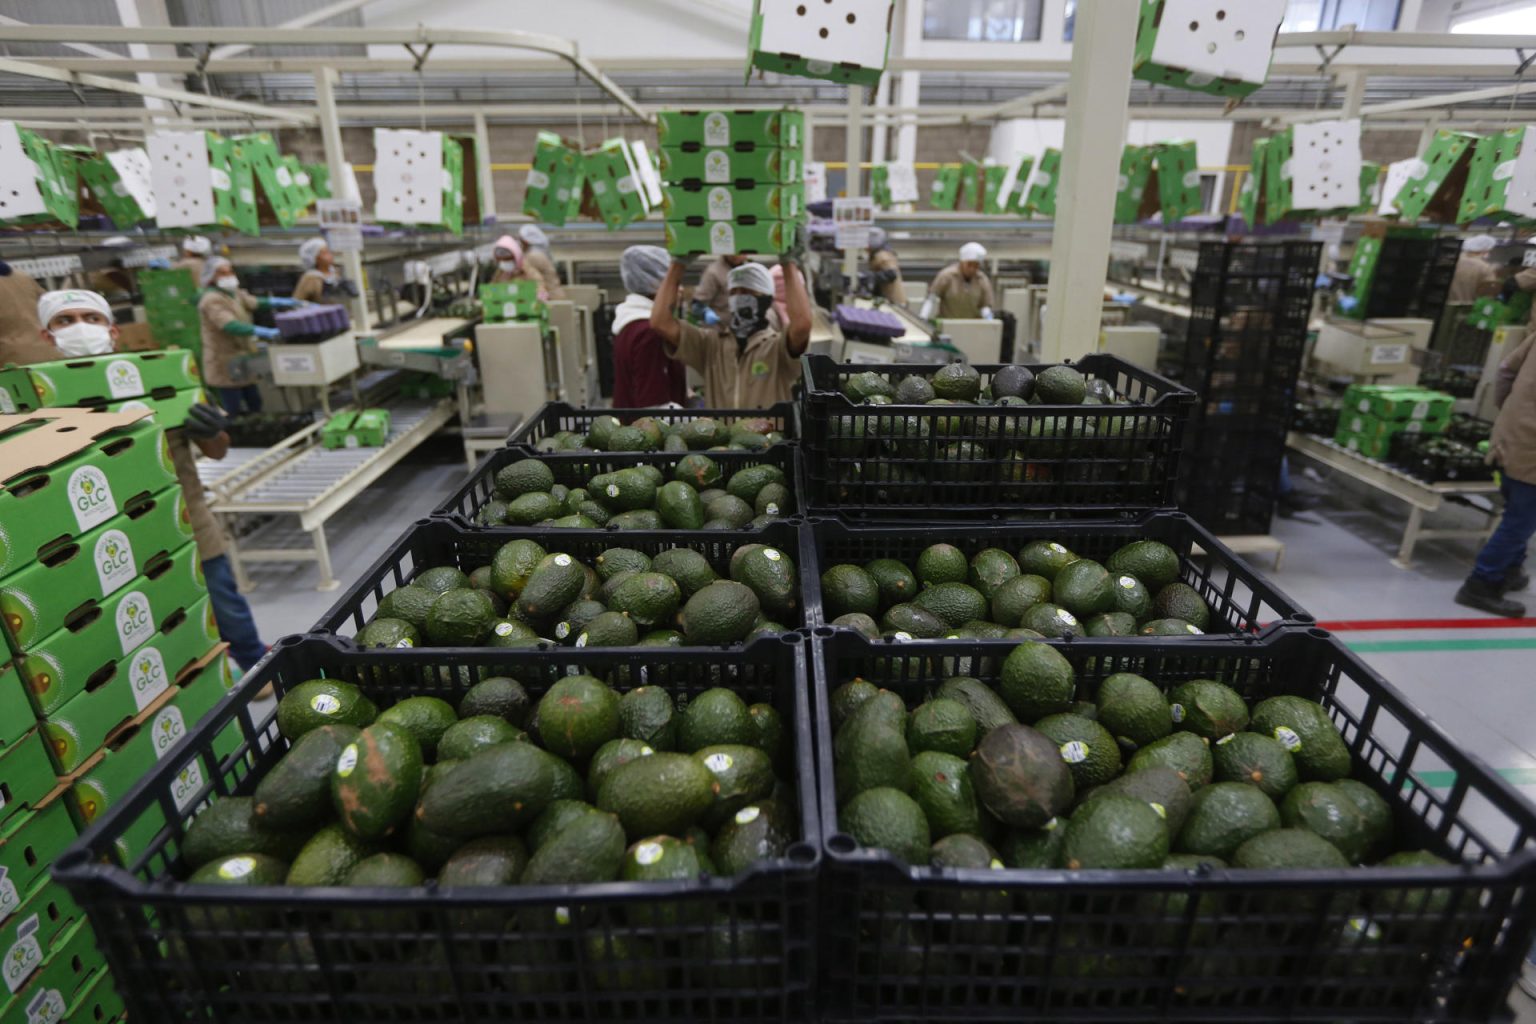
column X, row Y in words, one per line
column 1249, row 303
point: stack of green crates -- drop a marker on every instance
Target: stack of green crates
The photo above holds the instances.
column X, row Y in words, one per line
column 513, row 300
column 165, row 383
column 1373, row 413
column 170, row 307
column 734, row 179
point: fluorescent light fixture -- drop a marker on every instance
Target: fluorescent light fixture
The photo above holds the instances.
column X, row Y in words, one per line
column 1519, row 21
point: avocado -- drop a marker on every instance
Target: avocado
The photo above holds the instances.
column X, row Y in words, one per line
column 1111, row 624
column 388, row 633
column 377, row 780
column 610, row 756
column 1256, row 759
column 1152, row 562
column 328, row 857
column 512, row 564
column 888, row 819
column 774, row 501
column 1061, row 385
column 409, row 603
column 1133, row 709
column 1163, row 790
column 577, row 715
column 1184, row 752
column 870, row 752
column 498, row 789
column 1208, row 708
column 576, row 616
column 1324, row 808
column 730, row 509
column 662, row 794
column 847, row 699
column 1376, row 811
column 626, row 490
column 241, row 869
column 589, row 849
column 767, row 732
column 630, row 439
column 229, row 826
column 848, row 588
column 1090, row 752
column 507, row 633
column 441, row 579
column 1034, row 849
column 1182, row 601
column 1283, row 849
column 957, row 382
column 613, row 561
column 690, row 569
column 697, row 471
column 770, row 574
column 385, row 870
column 743, row 775
column 1304, row 728
column 296, row 793
column 1129, row 596
column 662, row 638
column 468, row 736
column 1052, row 621
column 531, row 509
column 487, row 861
column 425, row 718
column 647, row 714
column 649, row 598
column 1170, row 627
column 679, row 506
column 953, row 603
column 757, row 832
column 1013, row 381
column 713, row 717
column 941, row 785
column 554, row 583
column 1013, row 598
column 1115, row 832
column 492, row 513
column 699, row 433
column 661, row 859
column 916, row 623
column 1044, row 558
column 943, row 725
column 986, row 707
column 1036, row 681
column 896, row 582
column 722, row 612
column 858, row 387
column 914, row 390
column 745, row 484
column 990, row 569
column 942, row 563
column 1224, row 816
column 523, row 477
column 1084, row 588
column 1020, row 777
column 555, row 817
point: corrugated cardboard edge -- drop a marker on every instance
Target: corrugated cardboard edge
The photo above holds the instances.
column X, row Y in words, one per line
column 59, row 433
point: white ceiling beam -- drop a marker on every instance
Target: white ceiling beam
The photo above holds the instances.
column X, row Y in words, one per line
column 30, row 70
column 1437, row 101
column 313, row 17
column 86, row 48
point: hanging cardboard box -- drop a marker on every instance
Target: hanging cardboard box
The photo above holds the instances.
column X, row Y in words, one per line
column 838, row 40
column 1014, row 187
column 614, row 180
column 1501, row 180
column 554, row 180
column 945, row 191
column 199, row 185
column 1133, row 200
column 1042, row 184
column 41, row 180
column 1209, row 46
column 1251, row 197
column 1313, row 168
column 1398, row 174
column 1437, row 179
column 279, row 199
column 418, row 178
column 121, row 183
column 1177, row 170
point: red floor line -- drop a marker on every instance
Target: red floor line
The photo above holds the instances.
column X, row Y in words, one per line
column 1346, row 625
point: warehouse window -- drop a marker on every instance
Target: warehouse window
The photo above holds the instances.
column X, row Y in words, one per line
column 1326, row 15
column 982, row 21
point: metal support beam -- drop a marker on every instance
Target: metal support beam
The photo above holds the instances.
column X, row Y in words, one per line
column 27, row 68
column 314, row 17
column 1354, row 92
column 85, row 48
column 483, row 168
column 1097, row 103
column 853, row 149
column 336, row 163
column 881, row 129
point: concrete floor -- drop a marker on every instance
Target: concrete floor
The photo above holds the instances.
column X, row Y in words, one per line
column 1476, row 683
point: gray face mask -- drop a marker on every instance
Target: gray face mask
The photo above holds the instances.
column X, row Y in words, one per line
column 749, row 314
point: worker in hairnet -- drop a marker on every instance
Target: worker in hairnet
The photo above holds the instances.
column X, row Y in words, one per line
column 885, row 268
column 322, row 280
column 195, row 250
column 1475, row 277
column 746, row 361
column 962, row 290
column 79, row 323
column 230, row 332
column 537, row 260
column 713, row 293
column 644, row 374
column 511, row 266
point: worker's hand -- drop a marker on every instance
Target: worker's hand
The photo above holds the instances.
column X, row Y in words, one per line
column 204, row 422
column 710, row 317
column 158, row 265
column 267, row 333
column 796, row 252
column 285, row 303
column 986, row 312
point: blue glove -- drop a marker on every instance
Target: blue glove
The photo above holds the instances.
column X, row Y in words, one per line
column 1347, row 303
column 158, row 265
column 711, row 318
column 284, row 303
column 267, row 333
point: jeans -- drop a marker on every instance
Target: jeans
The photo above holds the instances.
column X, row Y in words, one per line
column 237, row 626
column 232, row 399
column 1505, row 550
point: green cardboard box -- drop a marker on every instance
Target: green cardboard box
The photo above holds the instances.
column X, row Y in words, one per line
column 1178, row 180
column 35, row 932
column 721, row 237
column 319, row 179
column 112, row 771
column 784, row 128
column 167, row 408
column 453, row 185
column 880, row 185
column 15, row 710
column 849, row 43
column 1132, row 200
column 1435, row 192
column 513, row 300
column 1018, row 195
column 40, row 597
column 119, row 182
column 28, row 847
column 615, row 184
column 68, row 986
column 56, row 173
column 698, row 203
column 301, row 191
column 1370, row 447
column 1397, row 402
column 95, row 472
column 1488, row 313
column 742, row 162
column 1042, row 187
column 555, row 180
column 98, row 380
column 101, row 632
column 1251, row 197
column 1496, row 166
column 284, row 200
column 350, row 429
column 945, row 192
column 87, row 719
column 1370, row 174
column 26, row 774
column 993, row 176
column 1227, row 59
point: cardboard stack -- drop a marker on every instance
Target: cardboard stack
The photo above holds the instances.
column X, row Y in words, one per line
column 113, row 654
column 164, row 384
column 1373, row 413
column 513, row 300
column 734, row 179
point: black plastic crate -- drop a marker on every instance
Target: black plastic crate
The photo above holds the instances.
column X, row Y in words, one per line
column 1434, row 459
column 434, row 542
column 574, row 469
column 714, row 949
column 978, row 462
column 906, row 943
column 554, row 417
column 1245, row 602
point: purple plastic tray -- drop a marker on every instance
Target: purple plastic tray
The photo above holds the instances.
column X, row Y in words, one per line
column 312, row 323
column 869, row 323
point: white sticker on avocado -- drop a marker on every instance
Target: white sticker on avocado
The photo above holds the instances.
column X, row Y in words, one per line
column 612, row 490
column 1162, row 812
column 1050, row 825
column 1228, row 738
column 1128, row 582
column 1356, row 926
column 404, row 641
column 718, row 763
column 505, row 629
column 1067, row 617
column 1193, row 629
column 325, row 703
column 90, row 496
column 1288, row 738
column 1056, row 548
column 747, row 815
column 562, row 560
column 648, row 853
column 561, row 631
column 901, row 636
column 646, row 751
column 996, row 865
column 25, row 956
column 771, row 509
column 562, row 915
column 10, row 899
column 1176, row 712
column 47, row 1007
column 1074, row 751
column 237, row 867
column 771, row 554
column 581, row 641
column 347, row 762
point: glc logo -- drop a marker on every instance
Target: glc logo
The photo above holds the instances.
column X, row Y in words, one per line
column 135, row 621
column 170, row 727
column 147, row 678
column 123, row 379
column 114, row 560
column 90, row 495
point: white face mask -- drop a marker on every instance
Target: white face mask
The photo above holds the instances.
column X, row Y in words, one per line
column 82, row 339
column 229, row 282
column 509, row 266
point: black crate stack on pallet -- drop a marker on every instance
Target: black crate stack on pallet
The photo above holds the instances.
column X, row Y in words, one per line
column 1412, row 277
column 1250, row 303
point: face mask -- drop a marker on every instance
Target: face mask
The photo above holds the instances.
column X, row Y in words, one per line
column 508, row 265
column 82, row 339
column 748, row 315
column 331, row 276
column 229, row 282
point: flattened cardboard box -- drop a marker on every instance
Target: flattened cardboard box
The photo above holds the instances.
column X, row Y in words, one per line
column 784, row 128
column 28, row 846
column 39, row 598
column 97, row 379
column 63, row 472
column 728, row 165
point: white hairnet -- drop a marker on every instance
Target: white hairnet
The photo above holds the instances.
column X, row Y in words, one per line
column 310, row 251
column 642, row 267
column 52, row 304
column 973, row 252
column 1480, row 243
column 751, row 276
column 877, row 239
column 197, row 245
column 534, row 236
column 211, row 269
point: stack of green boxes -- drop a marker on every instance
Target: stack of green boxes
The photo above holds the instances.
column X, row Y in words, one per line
column 353, row 429
column 734, row 179
column 170, row 307
column 513, row 300
column 1373, row 413
column 555, row 180
column 164, row 383
column 113, row 654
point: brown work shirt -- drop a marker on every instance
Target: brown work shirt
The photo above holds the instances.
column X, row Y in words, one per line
column 217, row 310
column 1513, row 442
column 194, row 264
column 538, row 263
column 892, row 291
column 1474, row 278
column 960, row 299
column 753, row 377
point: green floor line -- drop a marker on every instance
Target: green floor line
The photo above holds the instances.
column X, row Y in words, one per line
column 1511, row 643
column 1444, row 779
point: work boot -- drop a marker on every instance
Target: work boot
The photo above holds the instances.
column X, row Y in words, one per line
column 1516, row 579
column 1488, row 597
